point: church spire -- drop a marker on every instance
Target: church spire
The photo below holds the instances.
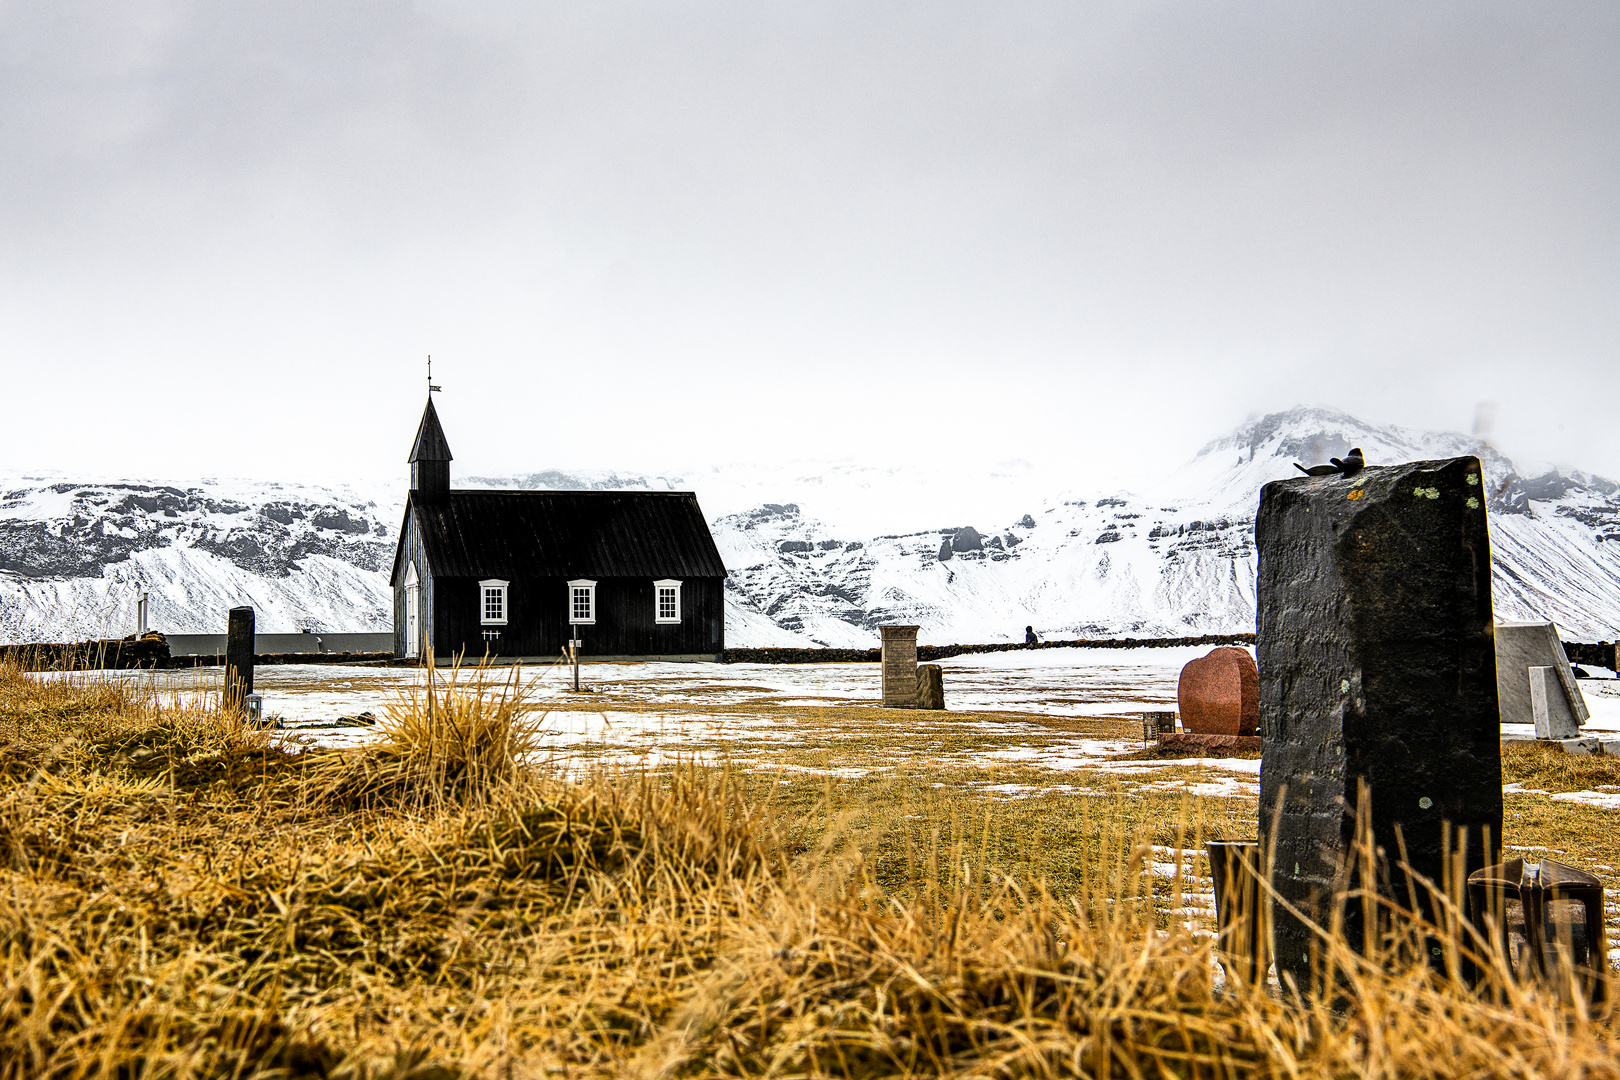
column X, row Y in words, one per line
column 430, row 442
column 430, row 459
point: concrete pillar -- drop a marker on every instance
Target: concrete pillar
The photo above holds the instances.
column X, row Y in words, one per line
column 238, row 657
column 1377, row 668
column 1549, row 708
column 899, row 666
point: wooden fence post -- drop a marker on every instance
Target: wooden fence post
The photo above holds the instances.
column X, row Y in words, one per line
column 238, row 657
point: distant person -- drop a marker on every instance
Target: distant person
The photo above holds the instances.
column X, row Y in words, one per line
column 1029, row 636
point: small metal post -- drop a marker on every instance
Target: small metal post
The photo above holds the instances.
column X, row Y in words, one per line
column 576, row 619
column 140, row 614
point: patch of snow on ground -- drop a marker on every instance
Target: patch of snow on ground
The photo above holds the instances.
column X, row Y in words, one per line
column 1067, row 682
column 1607, row 800
column 1058, row 756
column 1604, row 710
column 847, row 771
column 1224, row 788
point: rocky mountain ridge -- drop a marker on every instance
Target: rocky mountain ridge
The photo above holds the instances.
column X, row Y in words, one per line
column 1172, row 559
column 73, row 556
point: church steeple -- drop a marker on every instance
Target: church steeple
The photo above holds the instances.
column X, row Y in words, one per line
column 430, row 459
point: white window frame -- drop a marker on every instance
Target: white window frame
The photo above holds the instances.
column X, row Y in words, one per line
column 590, row 590
column 484, row 588
column 658, row 607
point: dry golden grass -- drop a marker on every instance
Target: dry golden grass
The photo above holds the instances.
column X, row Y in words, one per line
column 459, row 740
column 1553, row 770
column 181, row 898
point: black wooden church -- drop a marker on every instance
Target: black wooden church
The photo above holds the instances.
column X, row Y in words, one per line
column 515, row 574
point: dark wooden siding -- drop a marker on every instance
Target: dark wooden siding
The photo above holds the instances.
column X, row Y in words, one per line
column 537, row 619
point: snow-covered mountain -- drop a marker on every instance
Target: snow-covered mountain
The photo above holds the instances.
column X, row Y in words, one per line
column 73, row 556
column 1173, row 557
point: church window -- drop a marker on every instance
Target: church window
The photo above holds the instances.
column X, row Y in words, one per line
column 667, row 601
column 492, row 604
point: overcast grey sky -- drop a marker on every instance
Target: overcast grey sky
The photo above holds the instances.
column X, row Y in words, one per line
column 648, row 236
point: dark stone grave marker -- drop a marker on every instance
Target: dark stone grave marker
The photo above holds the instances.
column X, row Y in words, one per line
column 1376, row 665
column 930, row 687
column 238, row 657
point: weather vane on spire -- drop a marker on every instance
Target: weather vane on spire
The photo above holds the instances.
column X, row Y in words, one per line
column 431, row 387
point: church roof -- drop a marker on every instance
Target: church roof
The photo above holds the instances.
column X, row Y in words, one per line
column 430, row 441
column 567, row 534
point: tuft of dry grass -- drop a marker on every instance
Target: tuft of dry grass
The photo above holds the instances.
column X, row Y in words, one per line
column 88, row 720
column 163, row 919
column 463, row 739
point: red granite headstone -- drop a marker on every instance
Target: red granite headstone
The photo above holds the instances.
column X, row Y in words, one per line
column 1219, row 694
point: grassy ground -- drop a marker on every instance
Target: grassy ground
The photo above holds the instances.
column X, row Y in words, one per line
column 180, row 897
column 1030, row 794
column 1535, row 824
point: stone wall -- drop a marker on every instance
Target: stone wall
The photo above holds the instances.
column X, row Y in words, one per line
column 1597, row 654
column 930, row 653
column 92, row 655
column 149, row 651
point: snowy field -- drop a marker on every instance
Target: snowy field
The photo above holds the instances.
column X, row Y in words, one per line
column 1102, row 684
column 1012, row 710
column 1055, row 711
column 1017, row 710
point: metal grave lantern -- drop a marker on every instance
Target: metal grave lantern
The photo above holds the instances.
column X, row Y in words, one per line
column 581, row 612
